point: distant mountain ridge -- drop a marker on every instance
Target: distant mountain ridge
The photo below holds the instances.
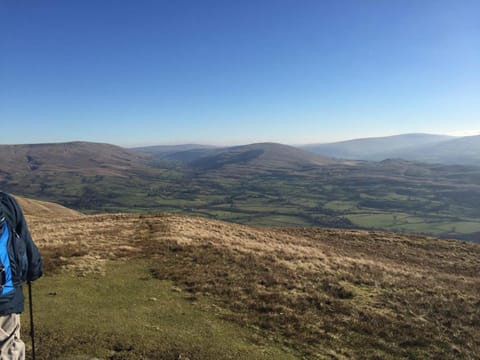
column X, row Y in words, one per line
column 258, row 155
column 375, row 148
column 81, row 157
column 414, row 147
column 463, row 151
column 419, row 147
column 261, row 156
column 90, row 159
column 166, row 150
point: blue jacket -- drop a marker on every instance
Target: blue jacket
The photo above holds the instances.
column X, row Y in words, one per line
column 24, row 259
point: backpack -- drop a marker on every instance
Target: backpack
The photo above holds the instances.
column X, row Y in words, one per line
column 13, row 257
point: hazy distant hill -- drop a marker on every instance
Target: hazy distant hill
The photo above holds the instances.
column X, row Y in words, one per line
column 169, row 150
column 376, row 149
column 465, row 150
column 187, row 156
column 260, row 156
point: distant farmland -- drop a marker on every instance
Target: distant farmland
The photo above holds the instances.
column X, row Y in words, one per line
column 272, row 186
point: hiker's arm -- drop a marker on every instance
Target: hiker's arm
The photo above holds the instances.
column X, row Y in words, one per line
column 33, row 255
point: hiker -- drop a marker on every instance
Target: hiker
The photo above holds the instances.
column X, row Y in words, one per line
column 20, row 262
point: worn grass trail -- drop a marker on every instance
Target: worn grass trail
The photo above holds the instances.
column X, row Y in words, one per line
column 127, row 314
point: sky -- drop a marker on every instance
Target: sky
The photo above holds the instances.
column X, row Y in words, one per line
column 150, row 72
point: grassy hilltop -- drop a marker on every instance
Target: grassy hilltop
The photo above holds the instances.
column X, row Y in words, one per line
column 126, row 286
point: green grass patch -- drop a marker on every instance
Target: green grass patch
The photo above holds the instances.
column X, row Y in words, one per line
column 462, row 227
column 277, row 220
column 127, row 314
column 384, row 220
column 341, row 205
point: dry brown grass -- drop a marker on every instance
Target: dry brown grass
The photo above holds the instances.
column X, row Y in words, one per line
column 329, row 293
column 44, row 209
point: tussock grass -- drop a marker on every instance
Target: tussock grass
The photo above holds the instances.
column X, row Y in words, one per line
column 324, row 293
column 329, row 292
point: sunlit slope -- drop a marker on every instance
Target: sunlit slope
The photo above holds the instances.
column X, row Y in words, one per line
column 322, row 292
column 45, row 209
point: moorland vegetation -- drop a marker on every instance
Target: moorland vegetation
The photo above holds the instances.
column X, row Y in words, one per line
column 165, row 286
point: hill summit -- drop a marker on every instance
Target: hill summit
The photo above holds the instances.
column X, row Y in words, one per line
column 261, row 156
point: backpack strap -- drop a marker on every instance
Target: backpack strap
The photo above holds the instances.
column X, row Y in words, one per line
column 2, row 213
column 4, row 218
column 6, row 283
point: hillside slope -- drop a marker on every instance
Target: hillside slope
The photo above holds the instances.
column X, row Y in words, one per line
column 326, row 293
column 80, row 175
column 170, row 150
column 82, row 158
column 44, row 209
column 261, row 156
column 376, row 148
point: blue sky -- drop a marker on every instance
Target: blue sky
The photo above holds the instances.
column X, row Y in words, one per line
column 231, row 72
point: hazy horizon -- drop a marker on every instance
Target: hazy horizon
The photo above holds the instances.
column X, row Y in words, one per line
column 453, row 135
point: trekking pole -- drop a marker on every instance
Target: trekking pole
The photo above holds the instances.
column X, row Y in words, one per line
column 32, row 330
